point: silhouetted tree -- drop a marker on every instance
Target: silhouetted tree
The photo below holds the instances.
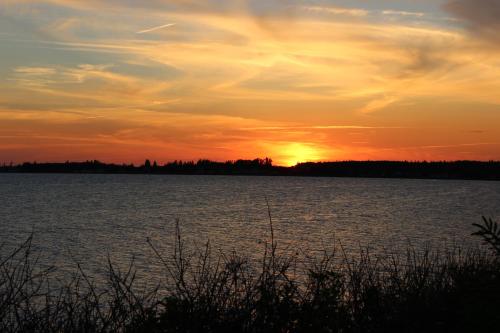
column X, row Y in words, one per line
column 381, row 169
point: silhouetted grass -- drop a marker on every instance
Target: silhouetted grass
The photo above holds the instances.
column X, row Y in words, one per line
column 457, row 291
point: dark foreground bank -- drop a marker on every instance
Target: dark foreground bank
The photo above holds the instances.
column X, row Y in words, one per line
column 455, row 291
column 473, row 170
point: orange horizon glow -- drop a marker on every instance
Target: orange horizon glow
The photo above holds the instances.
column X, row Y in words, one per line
column 120, row 82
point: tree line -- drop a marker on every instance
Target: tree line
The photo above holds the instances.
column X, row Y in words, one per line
column 264, row 166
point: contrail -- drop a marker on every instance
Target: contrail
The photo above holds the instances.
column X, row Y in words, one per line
column 156, row 28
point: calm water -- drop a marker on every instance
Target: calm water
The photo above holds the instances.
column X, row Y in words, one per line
column 82, row 218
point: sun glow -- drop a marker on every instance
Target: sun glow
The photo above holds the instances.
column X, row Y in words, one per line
column 294, row 153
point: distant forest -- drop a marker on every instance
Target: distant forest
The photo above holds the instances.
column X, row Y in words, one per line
column 370, row 169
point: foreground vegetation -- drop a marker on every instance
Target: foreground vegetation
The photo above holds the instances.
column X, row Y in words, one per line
column 457, row 291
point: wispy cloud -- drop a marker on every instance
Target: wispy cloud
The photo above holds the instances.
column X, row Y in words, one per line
column 379, row 104
column 402, row 13
column 156, row 28
column 320, row 127
column 35, row 70
column 338, row 10
column 458, row 145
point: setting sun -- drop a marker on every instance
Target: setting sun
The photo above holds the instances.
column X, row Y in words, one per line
column 294, row 153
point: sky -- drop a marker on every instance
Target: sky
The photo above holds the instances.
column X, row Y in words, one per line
column 299, row 80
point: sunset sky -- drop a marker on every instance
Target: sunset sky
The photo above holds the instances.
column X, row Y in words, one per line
column 298, row 80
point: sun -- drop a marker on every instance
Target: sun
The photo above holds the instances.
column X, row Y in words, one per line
column 293, row 153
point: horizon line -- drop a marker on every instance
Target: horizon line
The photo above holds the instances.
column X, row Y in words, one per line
column 12, row 163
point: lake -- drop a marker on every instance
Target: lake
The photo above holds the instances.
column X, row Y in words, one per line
column 83, row 218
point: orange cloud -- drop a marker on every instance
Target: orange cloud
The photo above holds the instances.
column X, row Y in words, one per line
column 231, row 81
